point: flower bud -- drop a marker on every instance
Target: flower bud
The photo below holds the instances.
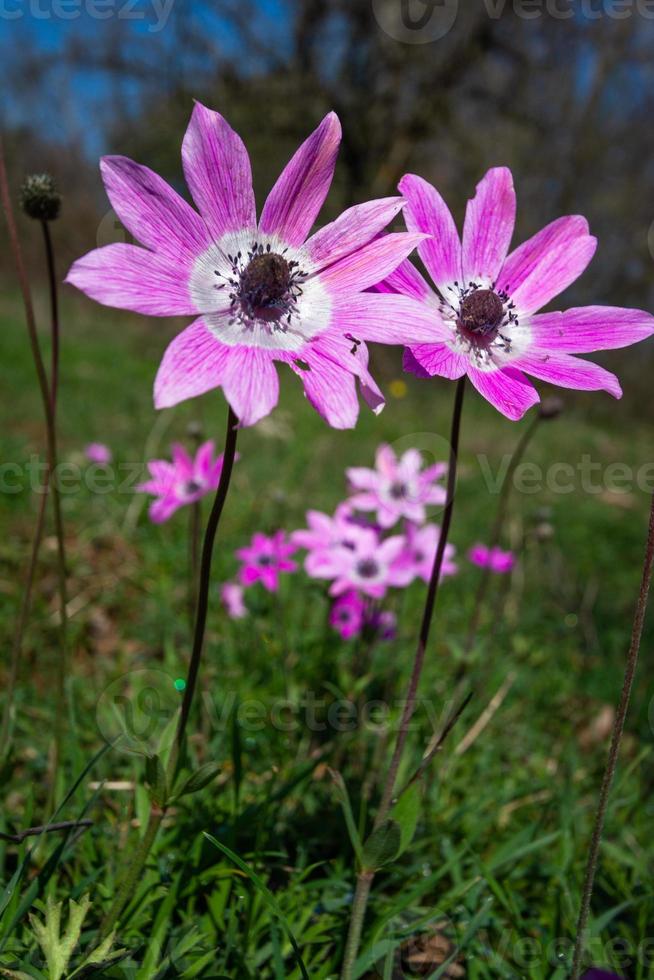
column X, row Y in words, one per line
column 551, row 408
column 39, row 197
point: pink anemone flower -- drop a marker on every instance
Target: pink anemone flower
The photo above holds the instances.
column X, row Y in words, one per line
column 485, row 320
column 397, row 487
column 325, row 534
column 97, row 452
column 371, row 567
column 495, row 559
column 261, row 290
column 347, row 615
column 265, row 558
column 183, row 481
column 417, row 558
column 231, row 594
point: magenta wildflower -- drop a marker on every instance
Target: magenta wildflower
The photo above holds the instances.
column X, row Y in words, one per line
column 397, row 487
column 231, row 594
column 347, row 615
column 417, row 559
column 265, row 558
column 484, row 314
column 97, row 452
column 495, row 559
column 326, row 534
column 384, row 624
column 371, row 566
column 595, row 974
column 183, row 481
column 262, row 291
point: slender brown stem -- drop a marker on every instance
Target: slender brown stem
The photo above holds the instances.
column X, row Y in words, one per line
column 498, row 527
column 194, row 527
column 158, row 812
column 48, row 397
column 50, row 828
column 614, row 750
column 366, row 875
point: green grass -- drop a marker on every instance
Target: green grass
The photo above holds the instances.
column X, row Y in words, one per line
column 498, row 856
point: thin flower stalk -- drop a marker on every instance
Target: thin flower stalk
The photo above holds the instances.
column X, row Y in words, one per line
column 158, row 809
column 614, row 750
column 49, row 404
column 366, row 875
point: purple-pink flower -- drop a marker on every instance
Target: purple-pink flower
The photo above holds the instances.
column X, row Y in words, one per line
column 97, row 452
column 183, row 481
column 231, row 594
column 485, row 320
column 370, row 566
column 348, row 613
column 419, row 551
column 397, row 487
column 262, row 291
column 265, row 558
column 325, row 534
column 495, row 559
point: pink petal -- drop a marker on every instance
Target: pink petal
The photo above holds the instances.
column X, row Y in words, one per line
column 182, row 461
column 152, row 211
column 131, row 278
column 488, row 228
column 369, row 264
column 297, row 197
column 406, row 280
column 203, row 463
column 426, row 211
column 546, row 264
column 570, row 372
column 355, row 227
column 590, row 328
column 194, row 363
column 426, row 360
column 388, row 318
column 331, row 389
column 163, row 509
column 250, row 383
column 354, row 358
column 507, row 389
column 217, row 170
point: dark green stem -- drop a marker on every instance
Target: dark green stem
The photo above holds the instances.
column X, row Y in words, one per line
column 366, row 876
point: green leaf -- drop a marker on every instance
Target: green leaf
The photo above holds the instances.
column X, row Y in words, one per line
column 405, row 813
column 350, row 822
column 383, row 845
column 267, row 896
column 200, row 778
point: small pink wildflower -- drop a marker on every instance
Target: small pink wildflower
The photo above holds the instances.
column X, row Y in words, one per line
column 97, row 452
column 495, row 559
column 397, row 487
column 347, row 615
column 183, row 481
column 231, row 594
column 370, row 566
column 417, row 558
column 485, row 320
column 384, row 624
column 263, row 290
column 265, row 558
column 326, row 534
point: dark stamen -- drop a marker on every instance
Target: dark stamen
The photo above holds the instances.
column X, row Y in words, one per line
column 481, row 314
column 367, row 568
column 265, row 287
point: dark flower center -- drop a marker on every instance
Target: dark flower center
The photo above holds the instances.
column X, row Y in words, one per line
column 481, row 314
column 368, row 568
column 264, row 561
column 192, row 487
column 265, row 285
column 398, row 490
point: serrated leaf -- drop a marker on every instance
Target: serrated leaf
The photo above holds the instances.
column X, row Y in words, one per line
column 406, row 813
column 200, row 778
column 383, row 845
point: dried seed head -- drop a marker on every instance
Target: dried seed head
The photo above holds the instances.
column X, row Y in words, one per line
column 39, row 197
